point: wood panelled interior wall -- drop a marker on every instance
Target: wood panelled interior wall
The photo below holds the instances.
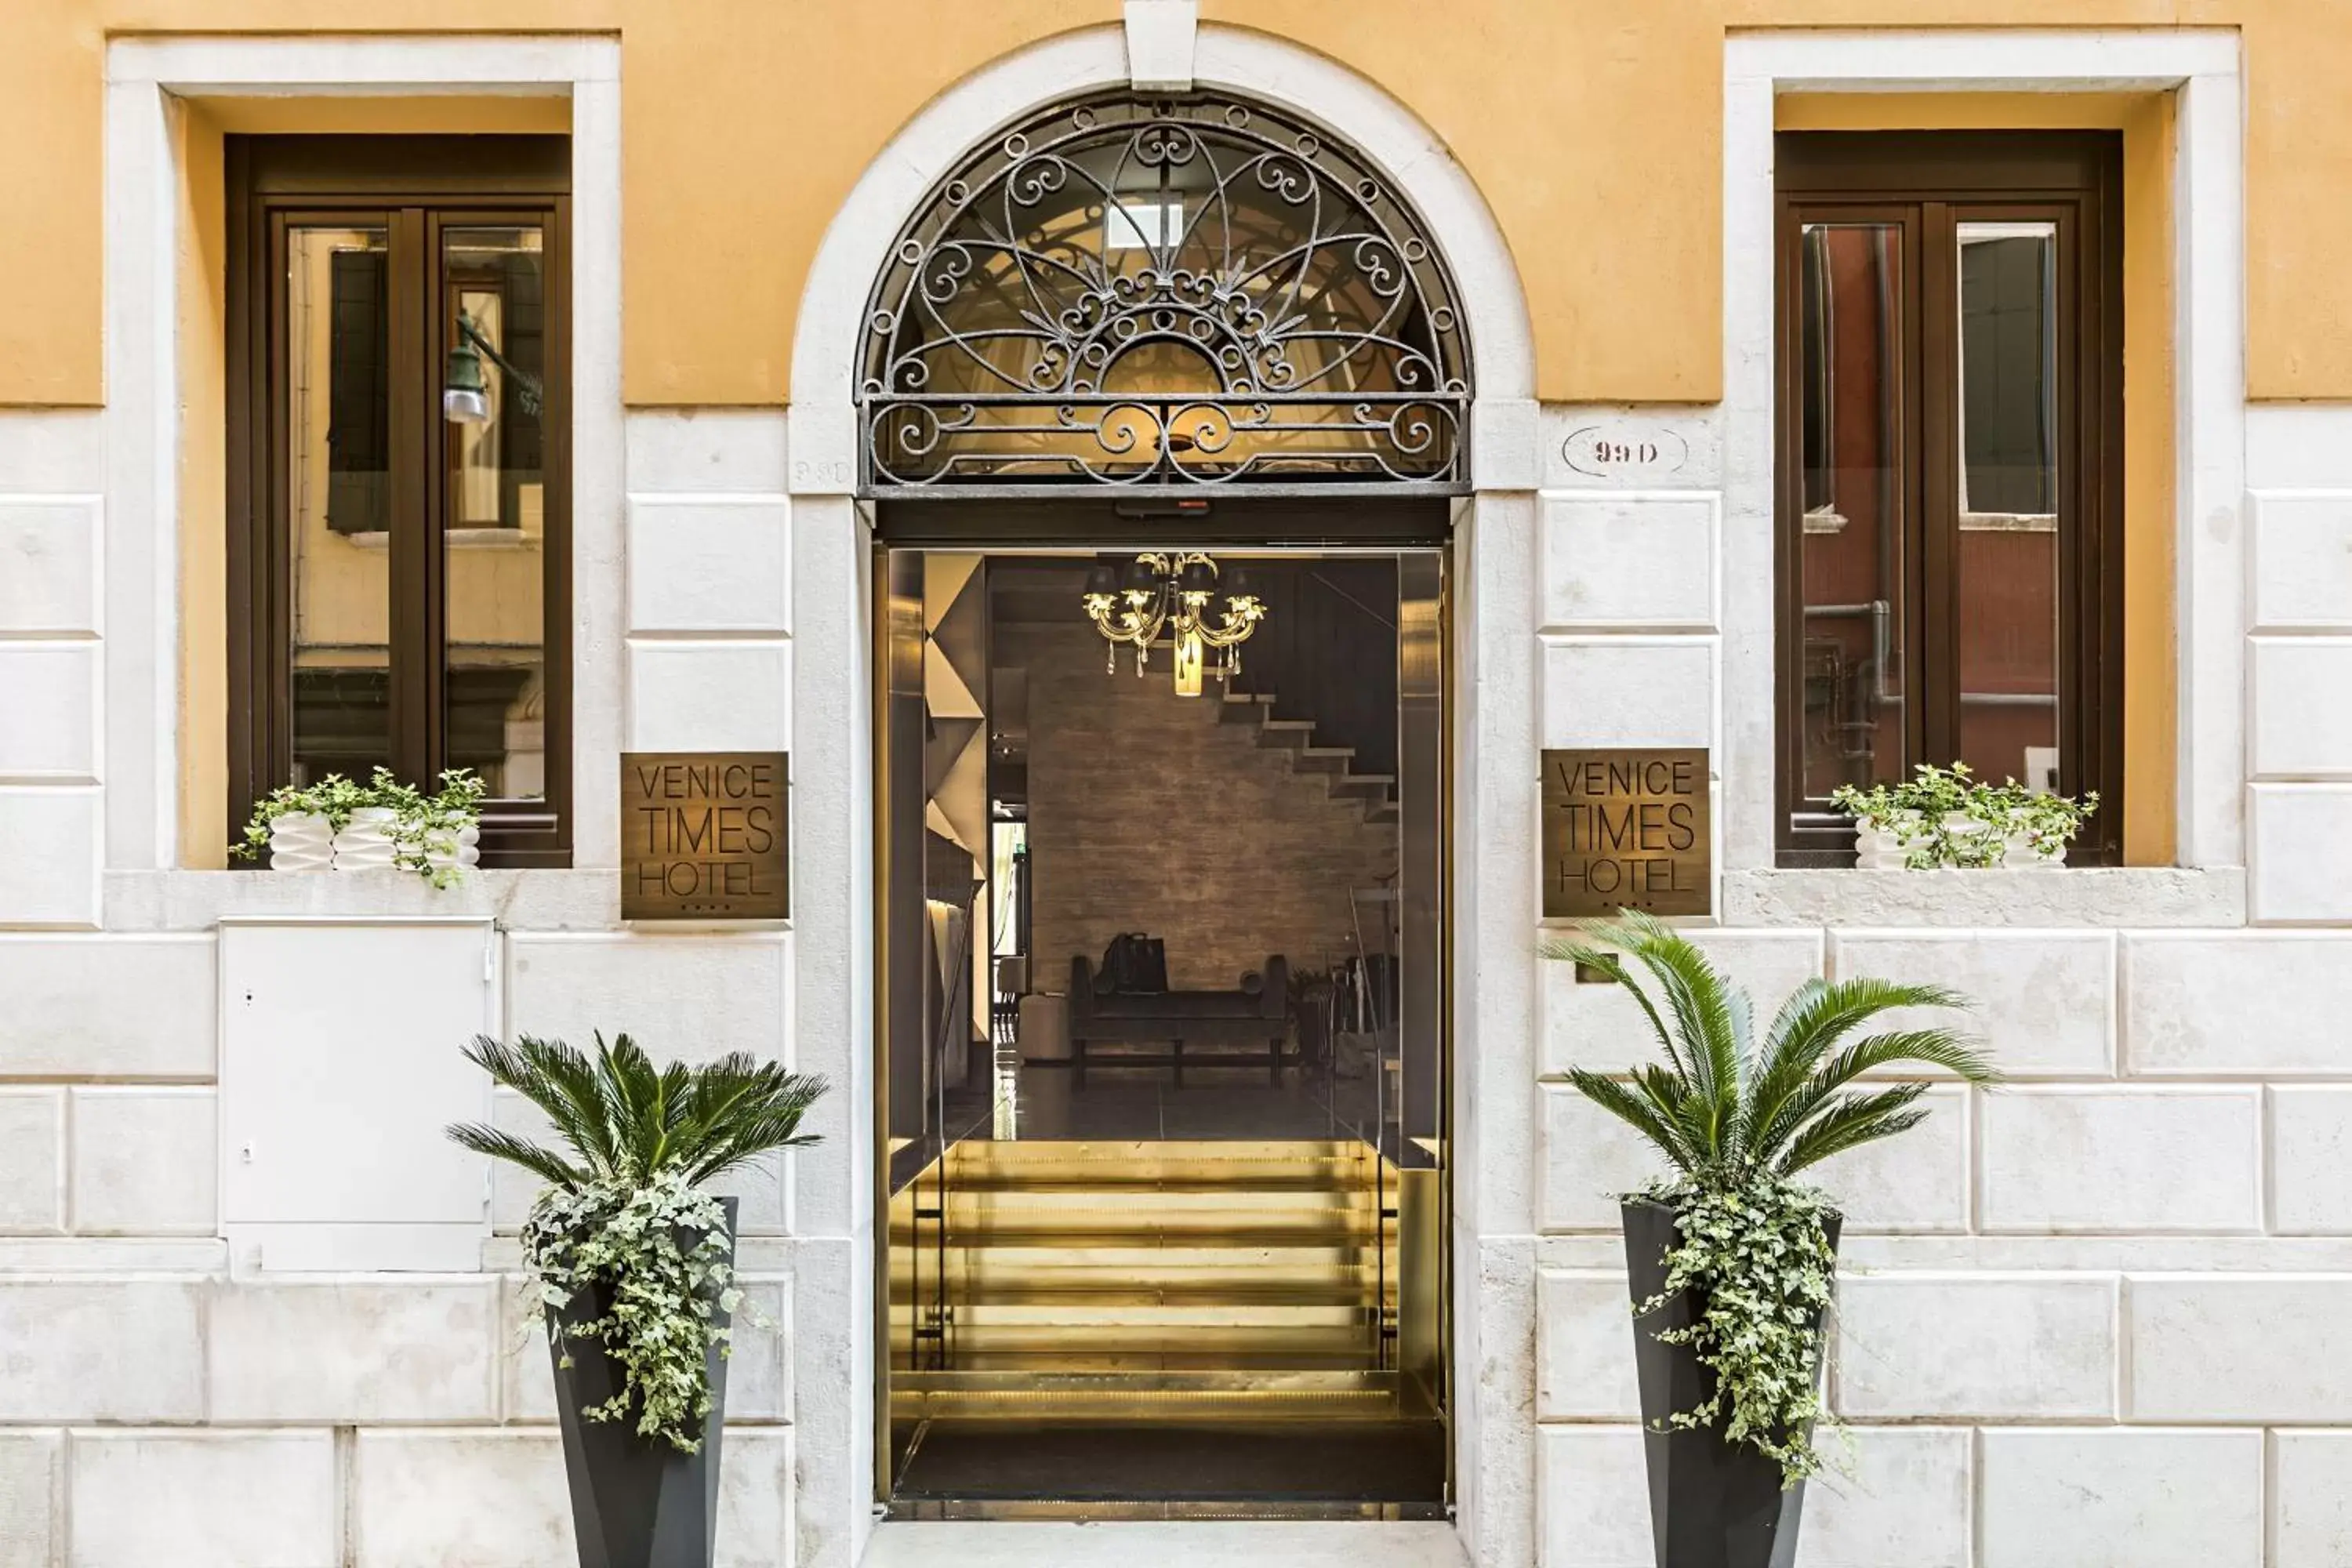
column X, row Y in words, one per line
column 1146, row 813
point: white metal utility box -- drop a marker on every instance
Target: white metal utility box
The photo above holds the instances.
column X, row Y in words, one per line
column 339, row 1069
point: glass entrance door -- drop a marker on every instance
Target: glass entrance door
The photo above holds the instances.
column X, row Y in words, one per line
column 1164, row 956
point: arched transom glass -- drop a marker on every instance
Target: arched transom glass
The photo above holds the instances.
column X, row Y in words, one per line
column 1165, row 293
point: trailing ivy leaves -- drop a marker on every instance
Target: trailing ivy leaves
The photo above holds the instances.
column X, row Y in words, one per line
column 622, row 1208
column 663, row 1250
column 1760, row 1262
column 1736, row 1118
column 1946, row 817
column 333, row 797
column 421, row 824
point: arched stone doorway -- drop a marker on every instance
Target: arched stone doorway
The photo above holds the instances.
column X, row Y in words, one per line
column 1488, row 549
column 1112, row 1286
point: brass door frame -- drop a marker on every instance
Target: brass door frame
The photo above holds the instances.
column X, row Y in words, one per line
column 1426, row 673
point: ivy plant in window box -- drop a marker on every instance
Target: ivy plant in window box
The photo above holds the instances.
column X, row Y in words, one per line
column 298, row 824
column 1732, row 1260
column 632, row 1271
column 1946, row 817
column 340, row 823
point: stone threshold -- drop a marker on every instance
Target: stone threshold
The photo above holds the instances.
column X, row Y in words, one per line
column 1163, row 1544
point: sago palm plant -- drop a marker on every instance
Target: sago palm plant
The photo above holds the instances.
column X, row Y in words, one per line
column 627, row 1122
column 622, row 1235
column 1736, row 1117
column 1724, row 1107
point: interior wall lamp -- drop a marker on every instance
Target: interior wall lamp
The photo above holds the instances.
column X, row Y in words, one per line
column 1171, row 593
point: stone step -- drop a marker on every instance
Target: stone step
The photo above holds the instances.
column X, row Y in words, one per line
column 1365, row 786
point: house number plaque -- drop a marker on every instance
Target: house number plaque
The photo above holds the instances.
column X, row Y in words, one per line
column 1627, row 829
column 703, row 836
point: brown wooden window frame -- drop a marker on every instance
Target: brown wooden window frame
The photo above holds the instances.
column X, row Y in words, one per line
column 1928, row 182
column 412, row 186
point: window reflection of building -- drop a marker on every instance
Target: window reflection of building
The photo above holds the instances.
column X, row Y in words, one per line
column 337, row 491
column 2006, row 639
column 2008, row 556
column 1855, row 502
column 494, row 534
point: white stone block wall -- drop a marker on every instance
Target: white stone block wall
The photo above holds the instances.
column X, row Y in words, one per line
column 2126, row 1272
column 2095, row 1316
column 161, row 1401
column 52, row 680
column 2120, row 1275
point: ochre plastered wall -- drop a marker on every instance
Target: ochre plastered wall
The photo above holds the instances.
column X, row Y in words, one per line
column 1594, row 127
column 2146, row 121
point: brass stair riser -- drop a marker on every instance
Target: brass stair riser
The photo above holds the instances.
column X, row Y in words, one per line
column 1111, row 1408
column 1082, row 1286
column 1123, row 1152
column 1126, row 1163
column 1053, row 1347
column 1342, row 1352
column 979, row 1217
column 1107, row 1320
column 1296, row 1384
column 1321, row 1396
column 984, row 1263
column 1134, row 1280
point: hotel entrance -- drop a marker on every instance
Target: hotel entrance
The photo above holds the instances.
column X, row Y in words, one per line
column 1165, row 1085
column 1164, row 411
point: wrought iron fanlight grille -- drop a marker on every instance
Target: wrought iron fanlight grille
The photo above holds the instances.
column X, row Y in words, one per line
column 1157, row 293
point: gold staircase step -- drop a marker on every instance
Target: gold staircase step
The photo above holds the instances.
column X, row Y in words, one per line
column 1173, row 1250
column 1240, row 1283
column 1146, row 1206
column 1136, row 1187
column 1254, row 1394
column 1125, row 1161
column 1041, row 1344
column 1085, row 1314
column 1133, row 1279
column 1109, row 1293
column 1333, row 1352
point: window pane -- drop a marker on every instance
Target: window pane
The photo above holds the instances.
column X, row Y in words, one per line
column 2008, row 633
column 494, row 333
column 1851, row 305
column 338, row 460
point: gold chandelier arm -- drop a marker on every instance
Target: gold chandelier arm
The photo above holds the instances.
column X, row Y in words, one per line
column 1127, row 625
column 1241, row 619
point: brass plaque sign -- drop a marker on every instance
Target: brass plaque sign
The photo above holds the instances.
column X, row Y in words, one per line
column 703, row 836
column 1627, row 829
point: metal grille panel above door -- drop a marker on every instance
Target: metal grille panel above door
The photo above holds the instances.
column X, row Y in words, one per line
column 1164, row 293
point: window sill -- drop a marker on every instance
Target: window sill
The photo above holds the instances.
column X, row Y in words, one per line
column 458, row 539
column 2078, row 896
column 574, row 900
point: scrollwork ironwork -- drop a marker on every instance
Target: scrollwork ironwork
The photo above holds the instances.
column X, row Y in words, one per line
column 1155, row 292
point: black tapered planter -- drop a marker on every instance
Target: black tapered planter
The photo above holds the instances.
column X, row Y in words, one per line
column 637, row 1502
column 1712, row 1504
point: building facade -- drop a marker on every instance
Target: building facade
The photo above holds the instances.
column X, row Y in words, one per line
column 254, row 1309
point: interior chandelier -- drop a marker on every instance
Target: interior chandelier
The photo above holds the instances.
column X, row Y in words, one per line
column 1171, row 593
